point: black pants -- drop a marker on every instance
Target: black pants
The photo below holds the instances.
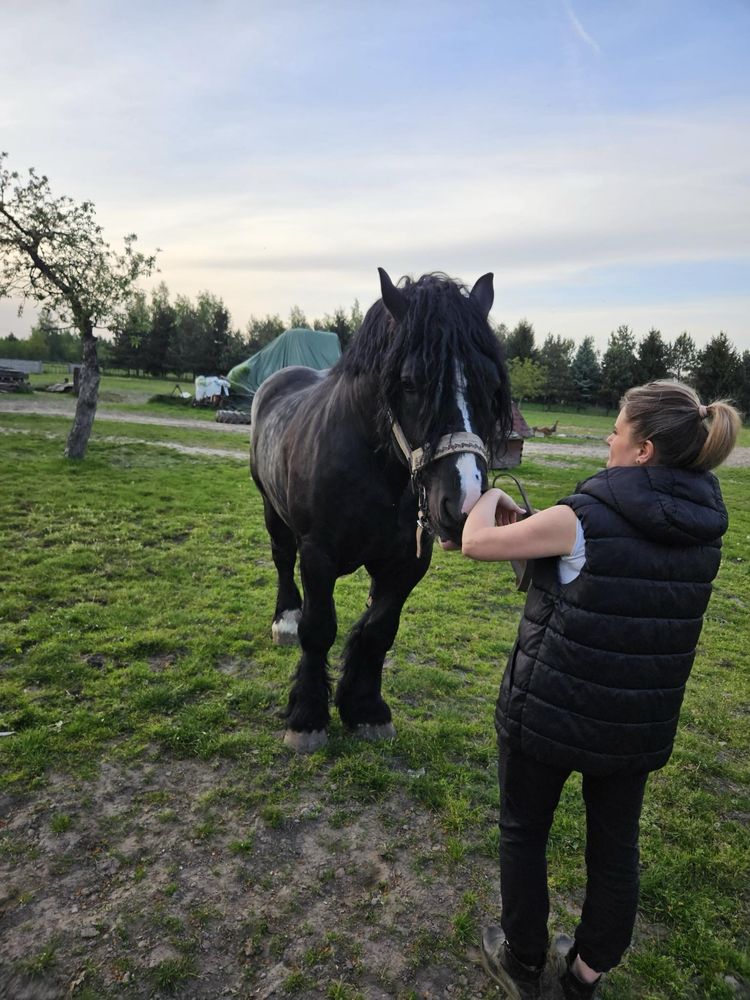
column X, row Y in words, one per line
column 529, row 794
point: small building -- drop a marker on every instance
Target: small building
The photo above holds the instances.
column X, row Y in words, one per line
column 13, row 380
column 506, row 452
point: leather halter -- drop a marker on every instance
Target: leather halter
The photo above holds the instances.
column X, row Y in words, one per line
column 418, row 458
column 449, row 444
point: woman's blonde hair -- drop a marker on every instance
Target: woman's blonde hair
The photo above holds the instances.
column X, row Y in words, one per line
column 685, row 433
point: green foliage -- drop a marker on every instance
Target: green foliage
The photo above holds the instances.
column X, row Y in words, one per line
column 48, row 342
column 341, row 990
column 52, row 252
column 519, row 343
column 261, row 331
column 718, row 369
column 527, row 378
column 36, row 966
column 297, row 981
column 651, row 358
column 618, row 366
column 197, row 338
column 60, row 823
column 681, row 357
column 170, row 975
column 742, row 395
column 586, row 372
column 297, row 319
column 556, row 356
column 342, row 324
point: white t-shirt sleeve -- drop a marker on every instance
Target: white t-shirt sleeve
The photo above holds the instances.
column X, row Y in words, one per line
column 571, row 566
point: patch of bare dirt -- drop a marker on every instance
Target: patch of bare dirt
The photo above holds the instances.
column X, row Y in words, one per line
column 154, row 879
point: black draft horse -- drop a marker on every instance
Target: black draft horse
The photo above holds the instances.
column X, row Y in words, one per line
column 363, row 465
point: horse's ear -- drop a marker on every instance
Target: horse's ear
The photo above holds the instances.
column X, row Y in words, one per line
column 483, row 293
column 395, row 301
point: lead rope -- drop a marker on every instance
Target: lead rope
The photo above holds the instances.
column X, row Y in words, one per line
column 523, row 568
column 423, row 519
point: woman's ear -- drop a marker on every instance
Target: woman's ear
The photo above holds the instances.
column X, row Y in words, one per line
column 646, row 453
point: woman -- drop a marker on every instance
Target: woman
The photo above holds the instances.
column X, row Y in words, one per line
column 622, row 576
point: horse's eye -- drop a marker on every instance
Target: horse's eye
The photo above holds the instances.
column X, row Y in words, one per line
column 408, row 386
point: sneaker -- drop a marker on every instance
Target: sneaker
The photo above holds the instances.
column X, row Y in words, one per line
column 562, row 953
column 519, row 981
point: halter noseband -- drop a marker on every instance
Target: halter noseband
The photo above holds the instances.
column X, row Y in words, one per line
column 418, row 458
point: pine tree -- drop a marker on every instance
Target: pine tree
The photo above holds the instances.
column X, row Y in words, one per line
column 586, row 373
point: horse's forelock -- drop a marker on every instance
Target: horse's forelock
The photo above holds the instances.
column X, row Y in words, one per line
column 442, row 327
column 446, row 329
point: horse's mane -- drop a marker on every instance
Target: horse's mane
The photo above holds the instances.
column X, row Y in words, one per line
column 442, row 325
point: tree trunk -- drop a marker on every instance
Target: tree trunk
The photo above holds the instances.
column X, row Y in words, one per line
column 88, row 396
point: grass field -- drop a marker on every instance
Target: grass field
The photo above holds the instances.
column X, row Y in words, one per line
column 137, row 593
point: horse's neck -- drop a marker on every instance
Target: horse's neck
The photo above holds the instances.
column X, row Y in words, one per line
column 357, row 405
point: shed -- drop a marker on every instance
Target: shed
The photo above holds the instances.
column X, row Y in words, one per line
column 13, row 380
column 506, row 452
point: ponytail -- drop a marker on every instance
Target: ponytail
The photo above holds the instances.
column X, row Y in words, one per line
column 723, row 425
column 685, row 433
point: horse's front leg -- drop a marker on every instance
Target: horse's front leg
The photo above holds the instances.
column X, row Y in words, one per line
column 287, row 614
column 307, row 712
column 358, row 693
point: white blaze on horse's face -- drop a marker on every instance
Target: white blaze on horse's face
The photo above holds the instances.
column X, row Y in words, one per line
column 467, row 464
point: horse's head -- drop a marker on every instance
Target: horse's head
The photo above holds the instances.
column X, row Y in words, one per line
column 445, row 390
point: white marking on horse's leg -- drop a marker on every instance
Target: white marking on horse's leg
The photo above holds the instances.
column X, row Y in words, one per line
column 284, row 629
column 466, row 465
column 302, row 742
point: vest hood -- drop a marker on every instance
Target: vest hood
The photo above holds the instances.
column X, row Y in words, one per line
column 669, row 506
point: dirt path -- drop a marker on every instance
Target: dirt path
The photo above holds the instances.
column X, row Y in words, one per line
column 740, row 457
column 56, row 407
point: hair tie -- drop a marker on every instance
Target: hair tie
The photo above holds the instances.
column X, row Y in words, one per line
column 702, row 411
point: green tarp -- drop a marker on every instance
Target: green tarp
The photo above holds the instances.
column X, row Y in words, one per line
column 311, row 348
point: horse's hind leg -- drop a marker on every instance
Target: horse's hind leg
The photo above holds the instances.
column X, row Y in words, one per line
column 307, row 712
column 288, row 600
column 358, row 693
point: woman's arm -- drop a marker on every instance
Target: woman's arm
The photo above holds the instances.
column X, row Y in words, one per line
column 490, row 534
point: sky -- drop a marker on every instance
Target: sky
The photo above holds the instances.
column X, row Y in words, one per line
column 593, row 154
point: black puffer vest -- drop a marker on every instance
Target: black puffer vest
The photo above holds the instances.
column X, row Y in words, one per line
column 596, row 678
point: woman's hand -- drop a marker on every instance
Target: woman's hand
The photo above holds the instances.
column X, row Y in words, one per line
column 494, row 509
column 506, row 509
column 497, row 509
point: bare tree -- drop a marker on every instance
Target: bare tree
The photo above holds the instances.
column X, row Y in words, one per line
column 52, row 252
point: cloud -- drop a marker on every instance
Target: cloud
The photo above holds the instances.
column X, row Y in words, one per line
column 280, row 155
column 579, row 28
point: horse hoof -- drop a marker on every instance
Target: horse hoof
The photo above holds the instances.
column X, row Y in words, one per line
column 284, row 629
column 373, row 734
column 302, row 742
